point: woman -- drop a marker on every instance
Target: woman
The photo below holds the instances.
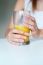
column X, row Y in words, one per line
column 35, row 23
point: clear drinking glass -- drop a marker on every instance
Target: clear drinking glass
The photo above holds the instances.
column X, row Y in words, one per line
column 19, row 21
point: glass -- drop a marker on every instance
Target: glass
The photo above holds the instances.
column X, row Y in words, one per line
column 19, row 23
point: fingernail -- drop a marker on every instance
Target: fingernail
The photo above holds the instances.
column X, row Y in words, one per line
column 26, row 18
column 21, row 40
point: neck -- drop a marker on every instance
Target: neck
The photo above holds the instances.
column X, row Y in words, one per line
column 40, row 5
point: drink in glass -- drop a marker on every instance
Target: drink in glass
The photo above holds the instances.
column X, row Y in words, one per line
column 19, row 21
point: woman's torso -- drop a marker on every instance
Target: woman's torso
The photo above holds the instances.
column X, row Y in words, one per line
column 37, row 14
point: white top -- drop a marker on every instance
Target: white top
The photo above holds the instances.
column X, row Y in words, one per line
column 37, row 14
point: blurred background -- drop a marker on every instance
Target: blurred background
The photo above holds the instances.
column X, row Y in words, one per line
column 6, row 9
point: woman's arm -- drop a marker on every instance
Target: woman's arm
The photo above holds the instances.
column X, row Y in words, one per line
column 19, row 5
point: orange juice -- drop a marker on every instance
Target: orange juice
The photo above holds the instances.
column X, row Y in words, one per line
column 24, row 29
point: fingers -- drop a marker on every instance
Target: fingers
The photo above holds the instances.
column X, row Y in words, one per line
column 32, row 18
column 18, row 36
column 32, row 28
column 29, row 17
column 16, row 39
column 14, row 31
column 30, row 23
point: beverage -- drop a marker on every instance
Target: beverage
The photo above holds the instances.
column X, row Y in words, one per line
column 19, row 23
column 24, row 29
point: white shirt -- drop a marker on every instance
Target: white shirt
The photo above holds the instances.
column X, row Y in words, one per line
column 37, row 14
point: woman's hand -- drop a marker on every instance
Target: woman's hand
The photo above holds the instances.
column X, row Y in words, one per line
column 31, row 23
column 16, row 37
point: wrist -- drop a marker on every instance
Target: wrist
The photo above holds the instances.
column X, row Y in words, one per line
column 37, row 34
column 40, row 33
